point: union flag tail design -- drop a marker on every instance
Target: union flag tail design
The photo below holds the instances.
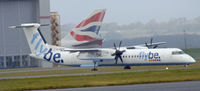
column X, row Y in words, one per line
column 88, row 29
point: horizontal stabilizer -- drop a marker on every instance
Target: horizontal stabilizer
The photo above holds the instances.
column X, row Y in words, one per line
column 29, row 25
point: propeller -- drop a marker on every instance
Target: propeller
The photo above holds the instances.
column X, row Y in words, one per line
column 150, row 45
column 151, row 41
column 118, row 53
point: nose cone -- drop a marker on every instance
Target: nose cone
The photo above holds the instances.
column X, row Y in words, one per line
column 190, row 59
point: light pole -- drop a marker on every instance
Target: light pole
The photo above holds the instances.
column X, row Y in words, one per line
column 185, row 42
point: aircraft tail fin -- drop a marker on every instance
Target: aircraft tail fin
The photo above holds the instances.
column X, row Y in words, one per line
column 35, row 40
column 88, row 29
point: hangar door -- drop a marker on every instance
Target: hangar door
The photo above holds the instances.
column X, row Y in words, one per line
column 15, row 12
column 14, row 49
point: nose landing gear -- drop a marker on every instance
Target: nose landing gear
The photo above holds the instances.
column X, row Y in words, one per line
column 186, row 65
column 166, row 68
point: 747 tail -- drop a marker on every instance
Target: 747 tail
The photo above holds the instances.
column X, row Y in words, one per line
column 86, row 33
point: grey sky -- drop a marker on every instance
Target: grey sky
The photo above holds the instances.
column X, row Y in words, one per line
column 126, row 11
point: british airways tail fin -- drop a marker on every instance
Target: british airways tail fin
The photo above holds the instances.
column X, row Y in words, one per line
column 34, row 38
column 87, row 31
column 92, row 23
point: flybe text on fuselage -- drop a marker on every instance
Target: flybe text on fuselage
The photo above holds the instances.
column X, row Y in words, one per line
column 56, row 57
column 149, row 56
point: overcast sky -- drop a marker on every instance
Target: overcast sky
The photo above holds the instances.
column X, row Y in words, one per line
column 126, row 11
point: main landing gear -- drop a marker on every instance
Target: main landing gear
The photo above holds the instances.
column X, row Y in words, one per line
column 127, row 67
column 94, row 69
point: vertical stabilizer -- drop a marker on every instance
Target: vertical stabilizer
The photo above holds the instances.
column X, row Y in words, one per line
column 86, row 33
column 34, row 39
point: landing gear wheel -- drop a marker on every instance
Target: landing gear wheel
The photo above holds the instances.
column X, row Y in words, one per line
column 186, row 65
column 127, row 67
column 94, row 69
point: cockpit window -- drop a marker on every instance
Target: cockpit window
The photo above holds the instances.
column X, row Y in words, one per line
column 177, row 52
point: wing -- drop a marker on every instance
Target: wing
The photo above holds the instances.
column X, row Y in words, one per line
column 94, row 54
column 92, row 43
column 83, row 50
column 158, row 43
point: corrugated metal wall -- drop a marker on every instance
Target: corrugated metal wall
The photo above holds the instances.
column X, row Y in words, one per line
column 15, row 12
column 14, row 49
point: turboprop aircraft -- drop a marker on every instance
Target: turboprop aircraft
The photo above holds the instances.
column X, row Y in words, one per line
column 85, row 34
column 101, row 56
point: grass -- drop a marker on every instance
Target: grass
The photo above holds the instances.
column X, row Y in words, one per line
column 88, row 70
column 35, row 68
column 100, row 80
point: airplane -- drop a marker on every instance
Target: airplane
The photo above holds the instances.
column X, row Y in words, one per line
column 85, row 34
column 95, row 57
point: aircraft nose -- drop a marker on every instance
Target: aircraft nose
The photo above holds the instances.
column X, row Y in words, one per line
column 190, row 59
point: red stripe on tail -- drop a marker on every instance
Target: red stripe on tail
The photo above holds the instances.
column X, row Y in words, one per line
column 94, row 18
column 82, row 37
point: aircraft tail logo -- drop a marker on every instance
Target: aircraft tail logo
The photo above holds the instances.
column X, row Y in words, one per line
column 88, row 29
column 34, row 38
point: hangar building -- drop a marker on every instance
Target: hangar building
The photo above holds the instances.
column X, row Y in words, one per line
column 14, row 48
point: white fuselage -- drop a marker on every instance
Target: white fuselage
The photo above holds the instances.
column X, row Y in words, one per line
column 156, row 56
column 165, row 56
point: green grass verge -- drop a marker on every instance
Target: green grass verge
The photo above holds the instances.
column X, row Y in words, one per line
column 88, row 70
column 100, row 80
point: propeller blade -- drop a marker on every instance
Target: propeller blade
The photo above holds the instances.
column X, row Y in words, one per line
column 120, row 57
column 120, row 44
column 146, row 45
column 123, row 51
column 115, row 46
column 155, row 46
column 113, row 54
column 116, row 59
column 151, row 41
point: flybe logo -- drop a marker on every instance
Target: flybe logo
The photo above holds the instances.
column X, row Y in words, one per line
column 56, row 57
column 149, row 56
column 38, row 44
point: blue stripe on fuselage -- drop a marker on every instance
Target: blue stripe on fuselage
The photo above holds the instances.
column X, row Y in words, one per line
column 138, row 64
column 147, row 64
